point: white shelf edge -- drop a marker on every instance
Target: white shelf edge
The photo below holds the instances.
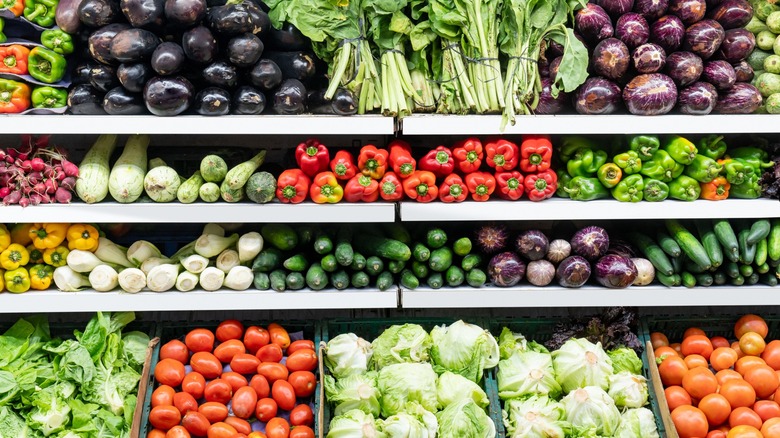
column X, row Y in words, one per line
column 54, row 301
column 432, row 124
column 111, row 212
column 189, row 125
column 563, row 209
column 554, row 296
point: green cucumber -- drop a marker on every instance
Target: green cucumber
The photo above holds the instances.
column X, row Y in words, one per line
column 382, row 247
column 436, row 238
column 727, row 238
column 753, row 279
column 296, row 263
column 774, row 240
column 668, row 280
column 705, row 279
column 344, row 252
column 395, row 266
column 668, row 244
column 462, row 246
column 746, row 270
column 262, row 281
column 281, row 236
column 358, row 262
column 689, row 244
column 278, row 280
column 762, row 252
column 340, row 280
column 747, row 253
column 441, row 259
column 268, row 260
column 420, row 269
column 773, row 263
column 409, row 280
column 476, row 277
column 688, row 280
column 454, row 276
column 385, row 281
column 677, row 263
column 719, row 278
column 306, row 234
column 421, row 253
column 692, row 267
column 758, row 231
column 470, row 262
column 397, row 232
column 732, row 269
column 738, row 281
column 435, row 281
column 763, row 268
column 360, row 279
column 374, row 265
column 710, row 242
column 329, row 263
column 295, row 281
column 653, row 252
column 316, row 278
column 769, row 279
column 323, row 244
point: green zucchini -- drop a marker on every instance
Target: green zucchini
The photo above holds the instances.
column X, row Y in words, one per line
column 753, row 279
column 281, row 236
column 769, row 279
column 732, row 270
column 454, row 276
column 762, row 252
column 230, row 195
column 727, row 238
column 419, row 269
column 668, row 280
column 462, row 246
column 385, row 281
column 435, row 281
column 278, row 280
column 688, row 279
column 261, row 187
column 398, row 232
column 470, row 262
column 209, row 192
column 316, row 278
column 436, row 238
column 358, row 262
column 262, row 281
column 329, row 263
column 668, row 244
column 710, row 242
column 395, row 266
column 374, row 265
column 692, row 267
column 189, row 190
column 94, row 170
column 677, row 263
column 213, row 168
column 409, row 280
column 382, row 247
column 360, row 279
column 747, row 253
column 295, row 281
column 237, row 177
column 773, row 241
column 763, row 268
column 704, row 279
column 268, row 260
column 689, row 244
column 758, row 231
column 296, row 263
column 340, row 280
column 323, row 244
column 344, row 251
column 421, row 253
column 306, row 234
column 719, row 278
column 738, row 281
column 476, row 277
column 653, row 252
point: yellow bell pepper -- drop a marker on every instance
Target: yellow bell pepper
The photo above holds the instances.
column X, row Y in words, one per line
column 5, row 237
column 46, row 236
column 2, row 280
column 14, row 256
column 20, row 233
column 56, row 256
column 83, row 236
column 17, row 280
column 36, row 255
column 41, row 276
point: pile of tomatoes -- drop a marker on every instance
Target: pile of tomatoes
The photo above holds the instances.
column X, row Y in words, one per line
column 233, row 383
column 717, row 388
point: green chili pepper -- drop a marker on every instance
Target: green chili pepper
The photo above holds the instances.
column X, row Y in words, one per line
column 3, row 38
column 662, row 167
column 629, row 189
column 644, row 145
column 49, row 97
column 750, row 189
column 681, row 149
column 586, row 162
column 563, row 181
column 655, row 190
column 703, row 169
column 609, row 174
column 58, row 41
column 40, row 12
column 684, row 188
column 629, row 162
column 45, row 65
column 586, row 189
column 737, row 171
column 571, row 144
column 712, row 146
column 758, row 158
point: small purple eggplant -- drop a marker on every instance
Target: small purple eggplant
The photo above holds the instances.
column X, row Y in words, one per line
column 649, row 58
column 632, row 29
column 668, row 32
column 697, row 99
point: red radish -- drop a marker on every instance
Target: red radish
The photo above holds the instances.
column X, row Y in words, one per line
column 51, row 186
column 69, row 168
column 12, row 198
column 35, row 177
column 35, row 199
column 63, row 196
column 26, row 165
column 68, row 183
column 46, row 199
column 4, row 191
column 39, row 188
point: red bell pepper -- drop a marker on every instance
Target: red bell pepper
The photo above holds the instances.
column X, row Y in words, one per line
column 325, row 188
column 343, row 165
column 502, row 155
column 439, row 161
column 453, row 189
column 312, row 157
column 481, row 185
column 401, row 159
column 535, row 153
column 510, row 185
column 421, row 186
column 292, row 186
column 541, row 185
column 361, row 188
column 390, row 188
column 14, row 59
column 468, row 155
column 372, row 161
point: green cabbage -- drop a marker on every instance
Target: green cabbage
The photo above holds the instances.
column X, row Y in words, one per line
column 416, row 422
column 637, row 423
column 628, row 390
column 464, row 349
column 465, row 419
column 51, row 412
column 591, row 411
column 400, row 344
column 353, row 424
column 625, row 359
column 347, row 354
column 509, row 342
column 402, row 383
column 13, row 426
column 527, row 373
column 579, row 363
column 451, row 388
column 358, row 391
column 535, row 417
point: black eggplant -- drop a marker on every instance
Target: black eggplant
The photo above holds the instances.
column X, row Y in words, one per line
column 141, row 13
column 265, row 75
column 244, row 50
column 67, row 16
column 221, row 74
column 167, row 58
column 212, row 101
column 99, row 42
column 97, row 13
column 83, row 99
column 121, row 102
column 286, row 38
column 344, row 103
column 317, row 104
column 168, row 96
column 82, row 72
column 103, row 77
column 294, row 65
column 248, row 100
column 290, row 98
column 134, row 76
column 133, row 45
column 260, row 20
column 199, row 44
column 185, row 13
column 230, row 19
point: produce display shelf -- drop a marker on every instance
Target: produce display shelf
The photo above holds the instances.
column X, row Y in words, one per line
column 198, row 300
column 433, row 124
column 588, row 296
column 566, row 209
column 193, row 125
column 219, row 212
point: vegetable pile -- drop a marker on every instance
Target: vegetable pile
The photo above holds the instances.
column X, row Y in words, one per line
column 765, row 59
column 235, row 380
column 720, row 387
column 426, row 384
column 81, row 387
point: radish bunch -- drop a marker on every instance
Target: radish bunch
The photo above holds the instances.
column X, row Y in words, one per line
column 36, row 173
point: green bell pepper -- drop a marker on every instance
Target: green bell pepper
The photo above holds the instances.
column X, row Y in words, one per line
column 40, row 12
column 681, row 149
column 662, row 167
column 3, row 38
column 644, row 145
column 45, row 65
column 750, row 189
column 655, row 190
column 609, row 174
column 736, row 171
column 586, row 189
column 58, row 41
column 712, row 146
column 571, row 144
column 629, row 189
column 563, row 181
column 586, row 162
column 703, row 169
column 49, row 97
column 629, row 162
column 756, row 157
column 684, row 188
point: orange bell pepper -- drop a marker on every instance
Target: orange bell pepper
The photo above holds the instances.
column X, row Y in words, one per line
column 421, row 186
column 372, row 161
column 325, row 188
column 715, row 190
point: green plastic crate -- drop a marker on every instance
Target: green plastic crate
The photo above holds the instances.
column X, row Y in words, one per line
column 541, row 330
column 178, row 329
column 370, row 328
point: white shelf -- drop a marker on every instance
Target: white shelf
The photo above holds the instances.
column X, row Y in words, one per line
column 433, row 124
column 220, row 212
column 589, row 296
column 90, row 301
column 192, row 125
column 566, row 209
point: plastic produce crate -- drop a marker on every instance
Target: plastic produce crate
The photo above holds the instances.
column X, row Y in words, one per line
column 370, row 328
column 178, row 330
column 541, row 330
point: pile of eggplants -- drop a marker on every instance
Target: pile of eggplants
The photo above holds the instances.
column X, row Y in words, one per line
column 655, row 56
column 208, row 57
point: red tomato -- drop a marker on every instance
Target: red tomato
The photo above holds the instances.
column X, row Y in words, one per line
column 260, row 385
column 206, row 364
column 692, row 331
column 700, row 382
column 750, row 323
column 244, row 363
column 302, row 360
column 270, row 353
column 234, row 379
column 242, row 426
column 266, row 409
column 175, row 349
column 716, row 408
column 303, row 382
column 724, row 376
column 302, row 344
column 196, row 423
column 164, row 417
column 255, row 338
column 739, row 393
column 744, row 416
column 696, row 361
column 213, row 411
column 763, row 379
column 194, row 383
column 717, row 434
column 690, row 422
column 229, row 349
column 155, row 433
column 719, row 341
column 277, row 428
column 230, row 329
column 169, row 372
column 284, row 395
column 185, row 402
column 723, row 358
column 752, row 344
column 767, row 409
column 163, row 396
column 256, row 434
column 177, row 432
column 244, row 402
column 660, row 352
column 301, row 415
column 200, row 340
column 279, row 335
column 672, row 370
column 677, row 396
column 745, row 431
column 219, row 391
column 658, row 339
column 771, row 354
column 221, row 430
column 747, row 362
column 771, row 428
column 273, row 371
column 697, row 344
column 301, row 432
